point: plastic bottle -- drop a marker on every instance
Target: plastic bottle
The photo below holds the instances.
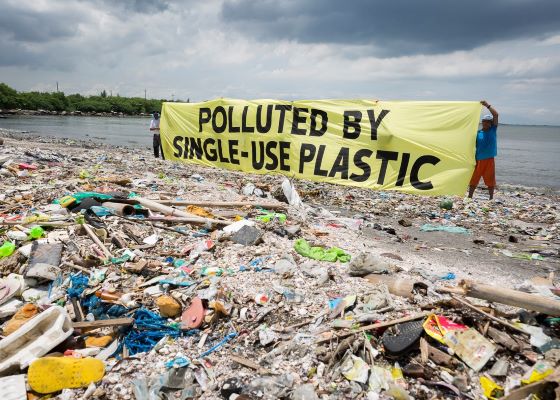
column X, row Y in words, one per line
column 7, row 249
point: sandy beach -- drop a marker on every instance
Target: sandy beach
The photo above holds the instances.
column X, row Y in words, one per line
column 503, row 242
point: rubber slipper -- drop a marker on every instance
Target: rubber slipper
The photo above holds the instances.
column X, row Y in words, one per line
column 193, row 317
column 52, row 374
column 402, row 338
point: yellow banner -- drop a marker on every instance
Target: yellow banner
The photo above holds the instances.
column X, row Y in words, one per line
column 419, row 147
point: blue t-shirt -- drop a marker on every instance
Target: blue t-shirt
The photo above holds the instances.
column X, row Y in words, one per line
column 486, row 143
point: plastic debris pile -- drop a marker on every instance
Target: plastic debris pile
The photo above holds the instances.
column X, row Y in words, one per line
column 127, row 277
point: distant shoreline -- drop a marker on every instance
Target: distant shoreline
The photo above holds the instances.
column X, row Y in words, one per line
column 46, row 113
column 19, row 112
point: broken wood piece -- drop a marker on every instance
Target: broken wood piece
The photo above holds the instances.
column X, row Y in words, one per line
column 225, row 204
column 98, row 242
column 511, row 297
column 495, row 319
column 103, row 323
column 503, row 339
column 441, row 358
column 375, row 326
column 250, row 364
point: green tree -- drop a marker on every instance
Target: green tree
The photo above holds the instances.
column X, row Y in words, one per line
column 8, row 97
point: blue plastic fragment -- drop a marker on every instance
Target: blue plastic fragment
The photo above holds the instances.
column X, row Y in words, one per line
column 220, row 344
column 449, row 277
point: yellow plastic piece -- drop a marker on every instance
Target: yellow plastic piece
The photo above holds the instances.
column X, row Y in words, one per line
column 490, row 388
column 539, row 371
column 67, row 201
column 51, row 374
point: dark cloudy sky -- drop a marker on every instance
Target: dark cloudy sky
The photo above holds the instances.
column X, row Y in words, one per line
column 505, row 51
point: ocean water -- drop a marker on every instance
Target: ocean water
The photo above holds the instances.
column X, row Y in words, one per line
column 527, row 155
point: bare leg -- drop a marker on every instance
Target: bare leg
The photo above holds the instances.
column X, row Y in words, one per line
column 471, row 191
column 491, row 192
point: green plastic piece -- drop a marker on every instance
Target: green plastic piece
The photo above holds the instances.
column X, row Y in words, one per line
column 269, row 216
column 7, row 249
column 319, row 253
column 446, row 204
column 36, row 232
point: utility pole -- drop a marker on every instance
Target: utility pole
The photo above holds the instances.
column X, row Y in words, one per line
column 56, row 86
column 172, row 97
column 144, row 94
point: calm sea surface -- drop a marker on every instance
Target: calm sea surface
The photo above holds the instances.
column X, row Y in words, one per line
column 527, row 155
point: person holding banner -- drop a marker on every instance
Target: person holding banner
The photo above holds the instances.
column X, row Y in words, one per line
column 154, row 127
column 486, row 150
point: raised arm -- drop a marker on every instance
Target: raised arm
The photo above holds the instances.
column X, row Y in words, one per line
column 492, row 111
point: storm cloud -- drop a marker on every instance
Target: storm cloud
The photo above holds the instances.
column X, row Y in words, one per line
column 505, row 51
column 397, row 27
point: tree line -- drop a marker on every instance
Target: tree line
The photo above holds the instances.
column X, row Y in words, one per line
column 58, row 101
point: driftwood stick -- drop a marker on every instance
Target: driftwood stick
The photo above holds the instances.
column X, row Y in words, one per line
column 225, row 204
column 170, row 211
column 190, row 220
column 489, row 316
column 511, row 297
column 375, row 326
column 98, row 242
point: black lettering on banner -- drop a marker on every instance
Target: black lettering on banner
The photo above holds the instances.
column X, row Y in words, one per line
column 177, row 140
column 385, row 157
column 232, row 129
column 317, row 170
column 352, row 124
column 360, row 163
column 375, row 123
column 195, row 148
column 215, row 127
column 402, row 169
column 296, row 120
column 324, row 121
column 260, row 127
column 270, row 146
column 306, row 154
column 284, row 155
column 204, row 115
column 244, row 127
column 233, row 151
column 221, row 155
column 210, row 154
column 341, row 164
column 282, row 108
column 258, row 156
column 414, row 181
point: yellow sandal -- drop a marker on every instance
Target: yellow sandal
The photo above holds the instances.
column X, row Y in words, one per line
column 51, row 374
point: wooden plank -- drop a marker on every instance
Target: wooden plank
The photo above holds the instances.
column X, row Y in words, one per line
column 511, row 297
column 103, row 323
column 225, row 204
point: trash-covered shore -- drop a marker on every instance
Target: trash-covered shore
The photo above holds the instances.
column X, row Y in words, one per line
column 127, row 277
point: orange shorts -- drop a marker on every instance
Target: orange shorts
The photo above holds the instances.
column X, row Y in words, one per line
column 485, row 169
